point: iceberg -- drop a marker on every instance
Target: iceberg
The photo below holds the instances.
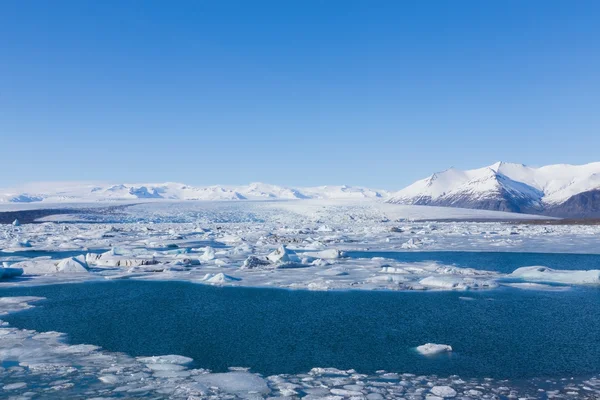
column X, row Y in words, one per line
column 429, row 349
column 72, row 265
column 218, row 279
column 282, row 255
column 545, row 274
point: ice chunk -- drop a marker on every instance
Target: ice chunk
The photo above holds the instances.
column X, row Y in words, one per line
column 253, row 262
column 456, row 283
column 209, row 254
column 545, row 274
column 282, row 255
column 219, row 278
column 235, row 382
column 72, row 265
column 412, row 243
column 328, row 254
column 167, row 359
column 335, row 271
column 432, row 348
column 443, row 391
column 17, row 303
column 16, row 223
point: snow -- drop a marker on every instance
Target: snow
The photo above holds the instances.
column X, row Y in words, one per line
column 545, row 274
column 429, row 349
column 69, row 192
column 550, row 184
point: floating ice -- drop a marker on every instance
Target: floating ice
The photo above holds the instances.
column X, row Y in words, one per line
column 219, row 279
column 46, row 366
column 209, row 254
column 166, row 359
column 456, row 283
column 282, row 255
column 432, row 348
column 545, row 274
column 328, row 254
column 253, row 262
column 72, row 265
column 443, row 391
column 235, row 382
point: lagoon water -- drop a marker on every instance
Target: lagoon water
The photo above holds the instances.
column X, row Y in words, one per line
column 503, row 262
column 503, row 333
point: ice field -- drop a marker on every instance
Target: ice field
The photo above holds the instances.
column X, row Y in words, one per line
column 316, row 245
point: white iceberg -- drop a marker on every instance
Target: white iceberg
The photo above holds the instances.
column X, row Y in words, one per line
column 282, row 256
column 72, row 265
column 209, row 254
column 545, row 274
column 429, row 349
column 219, row 279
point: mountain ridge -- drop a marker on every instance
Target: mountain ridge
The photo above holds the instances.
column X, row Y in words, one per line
column 560, row 190
column 557, row 190
column 91, row 192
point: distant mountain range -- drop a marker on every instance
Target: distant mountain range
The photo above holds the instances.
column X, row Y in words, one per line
column 556, row 190
column 85, row 192
column 560, row 190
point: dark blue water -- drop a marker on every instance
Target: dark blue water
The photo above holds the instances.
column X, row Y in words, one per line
column 504, row 262
column 504, row 333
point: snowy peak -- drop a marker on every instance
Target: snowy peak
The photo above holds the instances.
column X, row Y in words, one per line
column 505, row 187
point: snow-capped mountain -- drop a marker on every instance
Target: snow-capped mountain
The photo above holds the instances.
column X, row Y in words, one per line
column 564, row 190
column 86, row 192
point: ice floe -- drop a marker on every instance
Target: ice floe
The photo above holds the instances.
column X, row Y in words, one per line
column 545, row 274
column 433, row 348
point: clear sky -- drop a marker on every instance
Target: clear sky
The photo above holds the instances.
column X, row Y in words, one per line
column 298, row 92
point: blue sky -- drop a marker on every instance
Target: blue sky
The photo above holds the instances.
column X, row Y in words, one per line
column 373, row 93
